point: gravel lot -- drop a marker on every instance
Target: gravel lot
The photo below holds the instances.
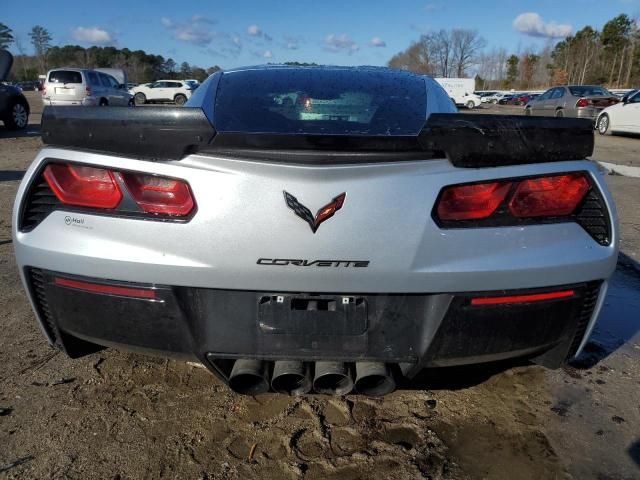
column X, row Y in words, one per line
column 118, row 415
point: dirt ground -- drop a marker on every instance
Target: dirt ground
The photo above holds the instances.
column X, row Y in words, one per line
column 124, row 416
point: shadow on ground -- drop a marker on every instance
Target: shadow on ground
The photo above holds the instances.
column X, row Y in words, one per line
column 32, row 130
column 11, row 175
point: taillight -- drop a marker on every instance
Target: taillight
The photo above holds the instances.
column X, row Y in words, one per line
column 159, row 195
column 83, row 186
column 88, row 91
column 583, row 102
column 548, row 196
column 471, row 202
column 504, row 202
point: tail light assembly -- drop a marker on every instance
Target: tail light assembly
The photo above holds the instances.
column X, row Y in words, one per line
column 108, row 192
column 583, row 102
column 566, row 197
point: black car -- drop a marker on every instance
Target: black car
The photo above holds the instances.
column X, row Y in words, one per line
column 505, row 100
column 31, row 86
column 14, row 108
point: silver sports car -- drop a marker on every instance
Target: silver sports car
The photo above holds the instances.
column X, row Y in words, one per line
column 316, row 229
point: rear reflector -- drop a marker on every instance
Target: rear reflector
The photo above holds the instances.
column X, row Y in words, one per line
column 159, row 195
column 534, row 297
column 106, row 289
column 549, row 196
column 83, row 186
column 471, row 202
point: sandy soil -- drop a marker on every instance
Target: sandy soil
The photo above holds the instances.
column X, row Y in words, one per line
column 119, row 416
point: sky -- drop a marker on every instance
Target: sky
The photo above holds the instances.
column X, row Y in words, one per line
column 348, row 32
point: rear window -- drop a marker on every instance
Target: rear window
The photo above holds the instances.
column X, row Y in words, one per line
column 321, row 102
column 586, row 91
column 65, row 76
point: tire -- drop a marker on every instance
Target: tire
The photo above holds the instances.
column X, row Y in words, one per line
column 180, row 99
column 132, row 103
column 527, row 111
column 559, row 113
column 603, row 124
column 103, row 102
column 140, row 98
column 470, row 104
column 18, row 117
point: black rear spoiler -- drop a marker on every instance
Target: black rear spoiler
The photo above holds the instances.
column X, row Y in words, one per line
column 155, row 133
column 171, row 133
column 476, row 140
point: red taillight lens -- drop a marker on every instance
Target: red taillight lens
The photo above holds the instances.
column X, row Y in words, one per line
column 88, row 91
column 549, row 196
column 583, row 102
column 159, row 194
column 83, row 186
column 471, row 202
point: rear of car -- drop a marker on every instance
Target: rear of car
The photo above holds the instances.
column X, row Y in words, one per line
column 576, row 101
column 67, row 87
column 80, row 87
column 316, row 229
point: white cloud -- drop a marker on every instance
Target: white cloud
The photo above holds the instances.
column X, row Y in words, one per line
column 292, row 42
column 340, row 43
column 93, row 35
column 196, row 30
column 531, row 24
column 254, row 30
column 431, row 7
column 267, row 54
column 377, row 42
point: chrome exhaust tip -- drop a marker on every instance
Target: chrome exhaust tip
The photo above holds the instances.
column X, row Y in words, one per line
column 291, row 377
column 249, row 377
column 374, row 379
column 333, row 378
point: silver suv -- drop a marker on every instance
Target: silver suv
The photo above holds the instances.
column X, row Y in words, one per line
column 75, row 86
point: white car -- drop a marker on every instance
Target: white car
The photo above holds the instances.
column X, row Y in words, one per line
column 174, row 91
column 77, row 86
column 496, row 97
column 621, row 117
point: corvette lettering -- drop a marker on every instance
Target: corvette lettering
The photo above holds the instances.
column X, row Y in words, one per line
column 283, row 262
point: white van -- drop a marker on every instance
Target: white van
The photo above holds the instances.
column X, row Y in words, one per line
column 77, row 86
column 461, row 91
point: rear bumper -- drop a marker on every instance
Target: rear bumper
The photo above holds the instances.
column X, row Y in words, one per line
column 216, row 326
column 86, row 102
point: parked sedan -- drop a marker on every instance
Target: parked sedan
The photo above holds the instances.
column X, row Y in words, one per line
column 621, row 117
column 522, row 99
column 581, row 101
column 495, row 98
column 505, row 100
column 14, row 108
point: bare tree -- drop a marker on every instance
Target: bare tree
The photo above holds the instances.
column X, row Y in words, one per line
column 41, row 41
column 466, row 45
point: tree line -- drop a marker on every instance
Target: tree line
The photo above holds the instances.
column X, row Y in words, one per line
column 608, row 57
column 140, row 66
